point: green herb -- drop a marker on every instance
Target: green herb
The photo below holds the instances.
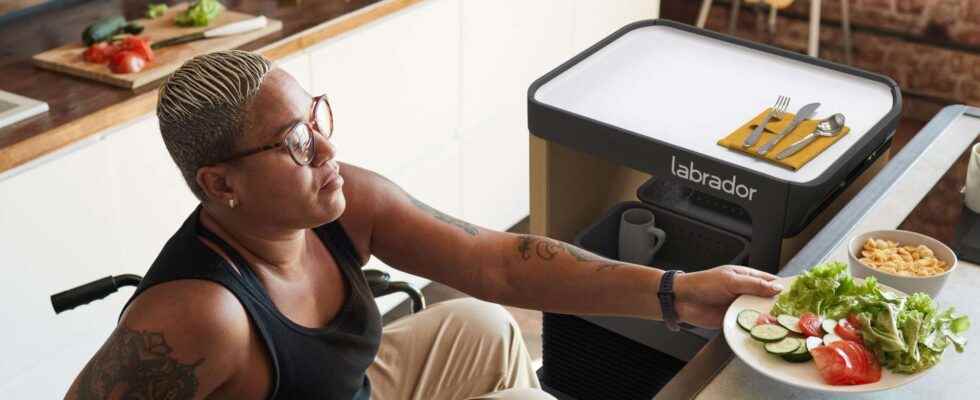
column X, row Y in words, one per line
column 156, row 10
column 201, row 13
column 907, row 335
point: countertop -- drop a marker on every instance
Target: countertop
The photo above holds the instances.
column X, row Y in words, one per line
column 884, row 203
column 80, row 108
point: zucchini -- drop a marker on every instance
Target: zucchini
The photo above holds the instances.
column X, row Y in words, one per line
column 790, row 322
column 747, row 319
column 813, row 342
column 802, row 354
column 103, row 29
column 785, row 346
column 830, row 338
column 768, row 333
column 132, row 28
column 828, row 325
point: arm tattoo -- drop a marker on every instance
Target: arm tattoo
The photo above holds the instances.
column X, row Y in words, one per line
column 465, row 226
column 546, row 249
column 137, row 365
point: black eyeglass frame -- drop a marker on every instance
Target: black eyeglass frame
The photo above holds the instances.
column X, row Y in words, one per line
column 310, row 124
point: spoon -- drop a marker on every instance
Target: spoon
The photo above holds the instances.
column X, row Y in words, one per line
column 828, row 127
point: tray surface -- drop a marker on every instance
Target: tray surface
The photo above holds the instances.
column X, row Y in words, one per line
column 690, row 90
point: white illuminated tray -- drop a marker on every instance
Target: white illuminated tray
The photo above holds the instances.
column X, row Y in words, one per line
column 690, row 90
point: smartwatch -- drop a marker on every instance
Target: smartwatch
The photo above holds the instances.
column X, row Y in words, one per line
column 667, row 297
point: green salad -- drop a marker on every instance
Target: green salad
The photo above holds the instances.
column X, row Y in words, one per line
column 907, row 334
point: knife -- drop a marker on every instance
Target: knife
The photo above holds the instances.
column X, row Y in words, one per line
column 804, row 113
column 247, row 25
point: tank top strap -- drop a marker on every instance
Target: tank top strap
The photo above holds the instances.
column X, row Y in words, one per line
column 339, row 242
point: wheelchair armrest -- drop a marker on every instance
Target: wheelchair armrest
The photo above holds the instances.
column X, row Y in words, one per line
column 381, row 285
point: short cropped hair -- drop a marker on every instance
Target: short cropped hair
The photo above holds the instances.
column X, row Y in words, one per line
column 201, row 108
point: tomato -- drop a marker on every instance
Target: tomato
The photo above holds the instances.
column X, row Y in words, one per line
column 846, row 331
column 125, row 62
column 810, row 324
column 100, row 52
column 139, row 46
column 765, row 318
column 846, row 362
column 854, row 320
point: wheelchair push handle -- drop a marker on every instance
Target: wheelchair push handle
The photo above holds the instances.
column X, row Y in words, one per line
column 91, row 291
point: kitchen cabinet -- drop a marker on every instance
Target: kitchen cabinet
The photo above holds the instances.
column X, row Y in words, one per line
column 393, row 86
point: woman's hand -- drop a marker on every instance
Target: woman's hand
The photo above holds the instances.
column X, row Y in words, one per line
column 703, row 297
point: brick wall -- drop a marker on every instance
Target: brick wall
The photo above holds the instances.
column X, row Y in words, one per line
column 930, row 47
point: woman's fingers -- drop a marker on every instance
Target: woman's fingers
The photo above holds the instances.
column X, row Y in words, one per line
column 754, row 272
column 746, row 284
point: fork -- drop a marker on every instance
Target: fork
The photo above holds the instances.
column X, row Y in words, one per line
column 778, row 111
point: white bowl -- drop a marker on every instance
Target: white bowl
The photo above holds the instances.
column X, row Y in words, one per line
column 930, row 285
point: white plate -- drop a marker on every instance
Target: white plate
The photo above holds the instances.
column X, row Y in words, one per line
column 804, row 375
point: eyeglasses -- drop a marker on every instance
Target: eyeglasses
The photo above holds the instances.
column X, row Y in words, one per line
column 298, row 138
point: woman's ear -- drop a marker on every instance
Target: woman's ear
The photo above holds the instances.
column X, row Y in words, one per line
column 216, row 183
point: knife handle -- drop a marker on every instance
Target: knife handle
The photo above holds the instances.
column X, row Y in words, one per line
column 247, row 25
column 772, row 142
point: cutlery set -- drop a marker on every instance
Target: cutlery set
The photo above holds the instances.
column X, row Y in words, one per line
column 828, row 127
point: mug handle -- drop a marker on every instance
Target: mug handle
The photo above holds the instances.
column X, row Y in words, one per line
column 661, row 237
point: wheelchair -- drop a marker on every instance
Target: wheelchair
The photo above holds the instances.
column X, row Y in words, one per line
column 379, row 282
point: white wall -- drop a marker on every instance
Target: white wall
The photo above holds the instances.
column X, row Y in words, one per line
column 434, row 97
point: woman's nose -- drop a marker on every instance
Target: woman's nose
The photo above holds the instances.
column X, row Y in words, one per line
column 325, row 150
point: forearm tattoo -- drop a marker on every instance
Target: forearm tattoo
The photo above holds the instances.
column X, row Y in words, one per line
column 546, row 249
column 137, row 365
column 465, row 226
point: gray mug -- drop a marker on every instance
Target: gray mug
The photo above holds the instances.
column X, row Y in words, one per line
column 639, row 238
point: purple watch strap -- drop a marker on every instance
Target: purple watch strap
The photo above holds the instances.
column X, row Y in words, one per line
column 666, row 295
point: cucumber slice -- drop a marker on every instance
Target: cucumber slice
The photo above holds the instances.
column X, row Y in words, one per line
column 747, row 319
column 828, row 326
column 801, row 354
column 785, row 346
column 790, row 322
column 813, row 342
column 830, row 338
column 768, row 333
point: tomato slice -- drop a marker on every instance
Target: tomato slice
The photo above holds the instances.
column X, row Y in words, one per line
column 100, row 52
column 810, row 324
column 765, row 318
column 833, row 364
column 846, row 362
column 139, row 46
column 126, row 62
column 854, row 320
column 846, row 331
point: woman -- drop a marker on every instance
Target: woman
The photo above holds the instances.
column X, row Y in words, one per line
column 259, row 294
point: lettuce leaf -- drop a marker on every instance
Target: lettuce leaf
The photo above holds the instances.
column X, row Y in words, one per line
column 201, row 13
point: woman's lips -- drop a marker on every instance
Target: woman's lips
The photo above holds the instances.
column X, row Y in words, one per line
column 333, row 182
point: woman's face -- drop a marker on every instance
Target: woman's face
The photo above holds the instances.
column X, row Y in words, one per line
column 272, row 188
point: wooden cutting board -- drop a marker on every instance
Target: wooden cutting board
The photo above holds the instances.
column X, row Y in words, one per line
column 68, row 58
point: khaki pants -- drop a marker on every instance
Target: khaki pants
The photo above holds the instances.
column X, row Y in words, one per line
column 455, row 350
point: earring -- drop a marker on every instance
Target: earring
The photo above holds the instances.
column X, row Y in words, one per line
column 231, row 203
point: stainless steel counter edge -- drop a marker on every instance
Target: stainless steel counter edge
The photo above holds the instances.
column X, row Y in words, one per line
column 716, row 355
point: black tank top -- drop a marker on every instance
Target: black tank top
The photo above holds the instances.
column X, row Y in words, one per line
column 324, row 363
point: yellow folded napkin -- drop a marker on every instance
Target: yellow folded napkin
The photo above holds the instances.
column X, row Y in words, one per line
column 734, row 140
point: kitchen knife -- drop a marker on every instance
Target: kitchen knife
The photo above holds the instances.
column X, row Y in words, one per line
column 247, row 25
column 804, row 113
